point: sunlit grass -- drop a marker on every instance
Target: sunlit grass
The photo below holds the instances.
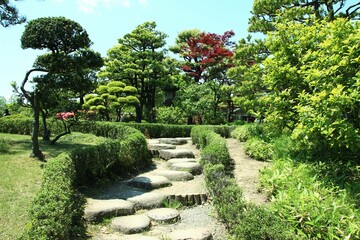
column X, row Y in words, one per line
column 20, row 177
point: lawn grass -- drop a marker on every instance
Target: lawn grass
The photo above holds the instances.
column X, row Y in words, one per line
column 20, row 177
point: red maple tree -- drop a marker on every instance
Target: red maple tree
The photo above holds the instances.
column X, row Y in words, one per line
column 207, row 55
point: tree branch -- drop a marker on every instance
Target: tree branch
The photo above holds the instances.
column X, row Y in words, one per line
column 22, row 87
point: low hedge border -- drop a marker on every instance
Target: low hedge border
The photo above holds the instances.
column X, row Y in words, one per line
column 243, row 220
column 57, row 210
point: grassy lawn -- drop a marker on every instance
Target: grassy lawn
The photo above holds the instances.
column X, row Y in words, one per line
column 20, row 177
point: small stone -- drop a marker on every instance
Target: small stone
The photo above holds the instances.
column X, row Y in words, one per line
column 130, row 224
column 163, row 215
column 191, row 234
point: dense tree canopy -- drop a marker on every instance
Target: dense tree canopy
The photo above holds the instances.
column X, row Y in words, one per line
column 68, row 61
column 138, row 60
column 9, row 15
column 265, row 13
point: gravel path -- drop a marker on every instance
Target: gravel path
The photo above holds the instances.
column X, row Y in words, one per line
column 246, row 172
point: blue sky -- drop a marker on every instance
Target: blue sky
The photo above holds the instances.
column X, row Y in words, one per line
column 107, row 20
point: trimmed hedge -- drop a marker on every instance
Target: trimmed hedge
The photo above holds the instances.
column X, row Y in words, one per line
column 57, row 210
column 243, row 220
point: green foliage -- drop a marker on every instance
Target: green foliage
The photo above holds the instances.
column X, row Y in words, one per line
column 156, row 130
column 240, row 133
column 170, row 115
column 57, row 209
column 57, row 34
column 244, row 221
column 315, row 209
column 9, row 14
column 139, row 61
column 259, row 149
column 110, row 99
column 16, row 124
column 4, row 146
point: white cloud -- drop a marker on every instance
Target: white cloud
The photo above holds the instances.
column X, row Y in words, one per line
column 143, row 2
column 90, row 6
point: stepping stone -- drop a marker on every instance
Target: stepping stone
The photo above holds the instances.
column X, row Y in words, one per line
column 164, row 215
column 192, row 167
column 96, row 210
column 130, row 224
column 150, row 182
column 154, row 148
column 180, row 160
column 175, row 153
column 191, row 234
column 160, row 146
column 124, row 237
column 148, row 200
column 174, row 141
column 174, row 175
column 139, row 237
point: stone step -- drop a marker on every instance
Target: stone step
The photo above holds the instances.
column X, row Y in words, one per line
column 189, row 199
column 176, row 153
column 180, row 160
column 148, row 200
column 174, row 175
column 191, row 167
column 174, row 141
column 164, row 215
column 125, row 237
column 96, row 210
column 149, row 182
column 191, row 234
column 155, row 147
column 131, row 224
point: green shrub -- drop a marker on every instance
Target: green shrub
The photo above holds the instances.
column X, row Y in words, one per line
column 157, row 130
column 259, row 149
column 240, row 133
column 4, row 146
column 216, row 153
column 57, row 210
column 16, row 125
column 316, row 210
column 260, row 223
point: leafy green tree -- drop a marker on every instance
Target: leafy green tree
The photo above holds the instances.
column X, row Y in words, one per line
column 265, row 13
column 111, row 97
column 9, row 14
column 68, row 45
column 138, row 61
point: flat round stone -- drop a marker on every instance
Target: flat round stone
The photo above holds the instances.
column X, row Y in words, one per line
column 180, row 160
column 150, row 182
column 96, row 209
column 160, row 146
column 163, row 215
column 174, row 175
column 193, row 168
column 174, row 141
column 176, row 153
column 191, row 234
column 148, row 200
column 130, row 224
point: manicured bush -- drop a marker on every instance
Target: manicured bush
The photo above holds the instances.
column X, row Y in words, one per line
column 244, row 221
column 58, row 208
column 16, row 125
column 158, row 130
column 259, row 149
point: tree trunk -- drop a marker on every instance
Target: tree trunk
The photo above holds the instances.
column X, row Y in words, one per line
column 46, row 133
column 36, row 152
column 139, row 113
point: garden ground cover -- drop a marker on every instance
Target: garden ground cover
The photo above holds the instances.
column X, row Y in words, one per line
column 21, row 177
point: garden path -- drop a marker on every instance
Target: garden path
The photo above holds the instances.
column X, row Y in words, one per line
column 143, row 204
